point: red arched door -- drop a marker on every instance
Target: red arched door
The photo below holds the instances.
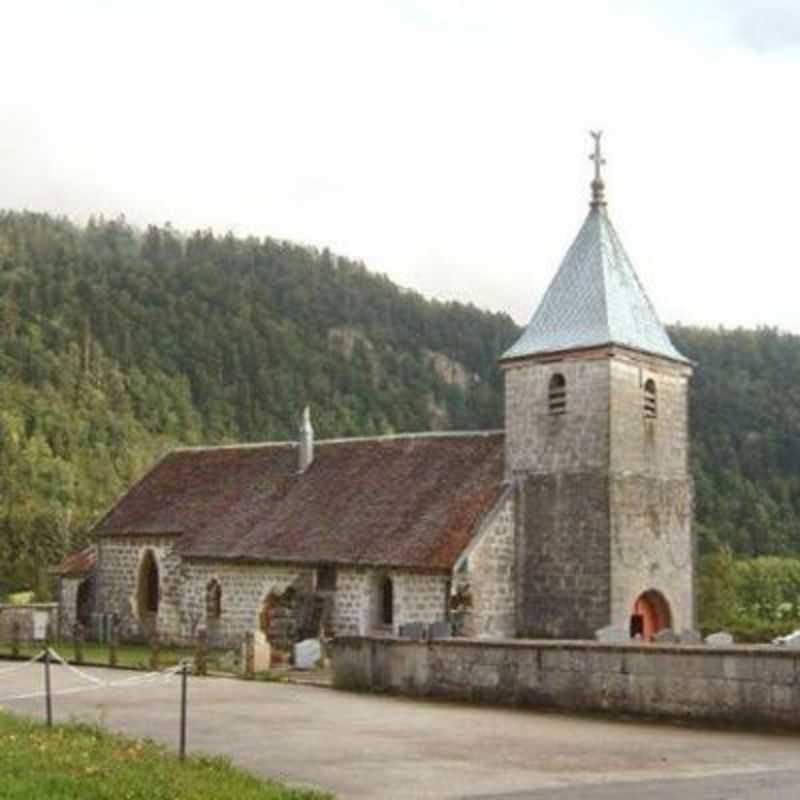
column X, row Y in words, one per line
column 650, row 615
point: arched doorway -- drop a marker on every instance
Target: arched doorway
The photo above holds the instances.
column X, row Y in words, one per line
column 148, row 590
column 267, row 611
column 651, row 614
column 84, row 602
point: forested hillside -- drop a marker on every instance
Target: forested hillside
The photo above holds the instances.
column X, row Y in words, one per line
column 117, row 344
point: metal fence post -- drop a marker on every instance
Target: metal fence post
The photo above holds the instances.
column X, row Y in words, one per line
column 201, row 652
column 77, row 642
column 48, row 700
column 113, row 641
column 155, row 651
column 184, row 692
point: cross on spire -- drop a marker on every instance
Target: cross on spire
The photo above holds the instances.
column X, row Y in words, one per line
column 598, row 187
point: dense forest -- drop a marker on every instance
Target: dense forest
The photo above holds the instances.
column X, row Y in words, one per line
column 116, row 344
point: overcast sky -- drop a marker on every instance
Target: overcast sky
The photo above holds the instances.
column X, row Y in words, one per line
column 444, row 143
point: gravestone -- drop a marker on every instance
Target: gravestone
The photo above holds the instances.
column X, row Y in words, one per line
column 262, row 652
column 40, row 620
column 413, row 630
column 665, row 636
column 440, row 630
column 256, row 654
column 790, row 640
column 307, row 654
column 720, row 639
column 691, row 636
column 612, row 633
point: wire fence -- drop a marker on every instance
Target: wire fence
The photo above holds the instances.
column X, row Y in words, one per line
column 48, row 657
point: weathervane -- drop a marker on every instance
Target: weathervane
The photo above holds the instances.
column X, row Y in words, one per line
column 598, row 187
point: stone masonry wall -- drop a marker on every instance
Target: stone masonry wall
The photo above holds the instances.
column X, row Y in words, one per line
column 652, row 546
column 737, row 685
column 577, row 441
column 352, row 610
column 420, row 598
column 560, row 464
column 183, row 597
column 657, row 447
column 491, row 573
column 23, row 616
column 605, row 494
column 244, row 589
column 563, row 555
column 417, row 598
column 68, row 604
column 118, row 564
column 651, row 501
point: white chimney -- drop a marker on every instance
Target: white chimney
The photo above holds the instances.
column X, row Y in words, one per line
column 305, row 450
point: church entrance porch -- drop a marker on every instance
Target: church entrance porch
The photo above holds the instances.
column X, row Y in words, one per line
column 651, row 614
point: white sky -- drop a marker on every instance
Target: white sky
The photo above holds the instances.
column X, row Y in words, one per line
column 444, row 143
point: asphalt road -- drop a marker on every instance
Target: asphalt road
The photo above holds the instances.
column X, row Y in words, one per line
column 365, row 746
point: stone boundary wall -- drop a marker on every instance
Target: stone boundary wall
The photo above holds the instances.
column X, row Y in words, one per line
column 23, row 615
column 742, row 685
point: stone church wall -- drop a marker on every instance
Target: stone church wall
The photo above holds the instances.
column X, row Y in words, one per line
column 652, row 546
column 183, row 605
column 244, row 589
column 563, row 555
column 119, row 558
column 651, row 501
column 491, row 575
column 577, row 441
column 560, row 463
column 417, row 598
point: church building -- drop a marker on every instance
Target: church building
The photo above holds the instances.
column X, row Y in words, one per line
column 577, row 515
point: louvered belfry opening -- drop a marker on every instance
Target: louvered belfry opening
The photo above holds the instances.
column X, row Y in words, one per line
column 650, row 399
column 557, row 395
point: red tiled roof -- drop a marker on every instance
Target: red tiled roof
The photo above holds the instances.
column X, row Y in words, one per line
column 411, row 501
column 76, row 565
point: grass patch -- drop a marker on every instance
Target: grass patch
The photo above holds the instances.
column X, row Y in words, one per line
column 133, row 656
column 71, row 761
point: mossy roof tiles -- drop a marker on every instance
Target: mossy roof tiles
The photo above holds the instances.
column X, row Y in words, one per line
column 405, row 501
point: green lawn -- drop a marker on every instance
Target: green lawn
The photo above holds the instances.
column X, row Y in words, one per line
column 128, row 655
column 80, row 761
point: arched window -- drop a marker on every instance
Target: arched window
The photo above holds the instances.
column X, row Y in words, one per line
column 557, row 394
column 214, row 599
column 650, row 406
column 387, row 601
column 148, row 588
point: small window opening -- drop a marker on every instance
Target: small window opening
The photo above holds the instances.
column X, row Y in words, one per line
column 326, row 578
column 557, row 394
column 650, row 406
column 214, row 600
column 387, row 602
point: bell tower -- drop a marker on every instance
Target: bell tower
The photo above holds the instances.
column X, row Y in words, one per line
column 597, row 445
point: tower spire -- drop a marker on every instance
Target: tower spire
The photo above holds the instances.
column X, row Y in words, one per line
column 598, row 187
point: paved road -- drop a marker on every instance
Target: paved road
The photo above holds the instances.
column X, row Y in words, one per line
column 364, row 746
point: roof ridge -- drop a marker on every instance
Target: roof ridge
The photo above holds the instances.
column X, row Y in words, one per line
column 342, row 440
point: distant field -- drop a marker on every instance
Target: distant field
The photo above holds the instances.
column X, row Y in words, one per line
column 80, row 761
